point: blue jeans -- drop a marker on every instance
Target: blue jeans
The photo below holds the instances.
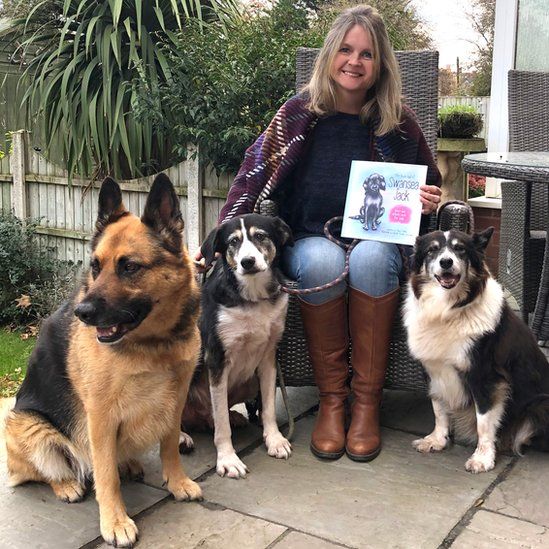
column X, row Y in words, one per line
column 375, row 268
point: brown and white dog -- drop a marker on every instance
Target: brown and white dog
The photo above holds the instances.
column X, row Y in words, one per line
column 487, row 374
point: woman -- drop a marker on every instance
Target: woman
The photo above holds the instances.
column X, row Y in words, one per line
column 351, row 110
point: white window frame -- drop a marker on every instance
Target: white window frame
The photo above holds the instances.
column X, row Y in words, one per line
column 505, row 35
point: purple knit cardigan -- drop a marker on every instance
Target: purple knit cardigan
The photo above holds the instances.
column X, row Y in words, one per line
column 280, row 147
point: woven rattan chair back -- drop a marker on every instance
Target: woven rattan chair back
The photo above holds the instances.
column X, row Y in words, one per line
column 528, row 108
column 522, row 237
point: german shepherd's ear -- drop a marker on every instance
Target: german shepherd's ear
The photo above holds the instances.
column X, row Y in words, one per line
column 480, row 240
column 283, row 232
column 110, row 206
column 162, row 212
column 211, row 246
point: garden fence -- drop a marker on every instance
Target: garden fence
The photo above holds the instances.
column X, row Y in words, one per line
column 32, row 187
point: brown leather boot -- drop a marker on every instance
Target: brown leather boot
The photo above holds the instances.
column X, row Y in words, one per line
column 370, row 322
column 328, row 343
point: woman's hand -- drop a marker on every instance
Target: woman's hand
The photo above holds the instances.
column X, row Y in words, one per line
column 199, row 261
column 430, row 198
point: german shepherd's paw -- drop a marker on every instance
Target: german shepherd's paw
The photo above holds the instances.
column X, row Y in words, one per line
column 278, row 446
column 481, row 462
column 430, row 443
column 70, row 491
column 185, row 490
column 132, row 470
column 186, row 443
column 231, row 466
column 120, row 531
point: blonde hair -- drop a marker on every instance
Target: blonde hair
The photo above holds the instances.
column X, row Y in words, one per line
column 384, row 99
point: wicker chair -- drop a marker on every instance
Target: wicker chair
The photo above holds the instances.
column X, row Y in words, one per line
column 523, row 218
column 420, row 73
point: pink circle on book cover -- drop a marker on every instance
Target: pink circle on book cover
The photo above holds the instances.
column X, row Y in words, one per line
column 400, row 214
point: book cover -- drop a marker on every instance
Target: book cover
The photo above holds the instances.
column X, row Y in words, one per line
column 383, row 202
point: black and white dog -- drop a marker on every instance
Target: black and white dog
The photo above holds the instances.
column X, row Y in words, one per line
column 242, row 320
column 487, row 373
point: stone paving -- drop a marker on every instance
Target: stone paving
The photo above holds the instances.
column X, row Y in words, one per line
column 402, row 499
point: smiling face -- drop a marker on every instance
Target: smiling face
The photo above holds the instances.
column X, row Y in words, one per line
column 451, row 259
column 353, row 69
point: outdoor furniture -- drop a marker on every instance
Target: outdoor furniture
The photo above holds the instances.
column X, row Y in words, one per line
column 526, row 169
column 420, row 76
column 524, row 207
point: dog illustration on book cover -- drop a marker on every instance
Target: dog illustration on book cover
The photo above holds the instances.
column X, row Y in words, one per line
column 372, row 211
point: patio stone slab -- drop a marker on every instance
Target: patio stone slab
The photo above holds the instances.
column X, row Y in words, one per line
column 297, row 540
column 407, row 411
column 203, row 458
column 176, row 525
column 488, row 530
column 33, row 517
column 524, row 494
column 402, row 499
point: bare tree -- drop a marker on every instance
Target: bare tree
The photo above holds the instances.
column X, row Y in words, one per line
column 481, row 17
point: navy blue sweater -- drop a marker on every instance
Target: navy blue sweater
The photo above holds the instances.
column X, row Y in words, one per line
column 319, row 184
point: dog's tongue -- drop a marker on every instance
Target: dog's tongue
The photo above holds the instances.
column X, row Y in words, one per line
column 448, row 280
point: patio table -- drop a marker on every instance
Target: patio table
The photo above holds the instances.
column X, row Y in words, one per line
column 526, row 167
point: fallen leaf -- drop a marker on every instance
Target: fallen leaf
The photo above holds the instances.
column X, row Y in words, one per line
column 23, row 301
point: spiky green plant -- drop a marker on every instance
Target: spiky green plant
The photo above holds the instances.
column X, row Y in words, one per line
column 87, row 56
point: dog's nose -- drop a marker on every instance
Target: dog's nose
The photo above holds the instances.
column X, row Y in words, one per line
column 86, row 311
column 446, row 262
column 247, row 262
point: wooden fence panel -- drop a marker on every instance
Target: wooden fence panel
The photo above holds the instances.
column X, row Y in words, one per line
column 215, row 192
column 5, row 196
column 67, row 213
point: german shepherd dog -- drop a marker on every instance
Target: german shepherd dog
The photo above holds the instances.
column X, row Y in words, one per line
column 487, row 374
column 110, row 372
column 242, row 319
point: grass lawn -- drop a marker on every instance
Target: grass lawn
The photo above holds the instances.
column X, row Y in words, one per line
column 14, row 354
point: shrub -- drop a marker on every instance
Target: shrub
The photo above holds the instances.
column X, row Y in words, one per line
column 459, row 121
column 227, row 86
column 31, row 283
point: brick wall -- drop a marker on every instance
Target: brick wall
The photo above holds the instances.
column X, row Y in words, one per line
column 484, row 218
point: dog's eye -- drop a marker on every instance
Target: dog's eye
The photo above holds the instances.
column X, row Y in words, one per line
column 459, row 247
column 260, row 237
column 234, row 241
column 431, row 251
column 131, row 267
column 95, row 268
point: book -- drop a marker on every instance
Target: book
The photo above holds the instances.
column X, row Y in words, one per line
column 383, row 202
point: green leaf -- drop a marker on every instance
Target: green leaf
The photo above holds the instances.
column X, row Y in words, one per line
column 116, row 8
column 116, row 45
column 139, row 18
